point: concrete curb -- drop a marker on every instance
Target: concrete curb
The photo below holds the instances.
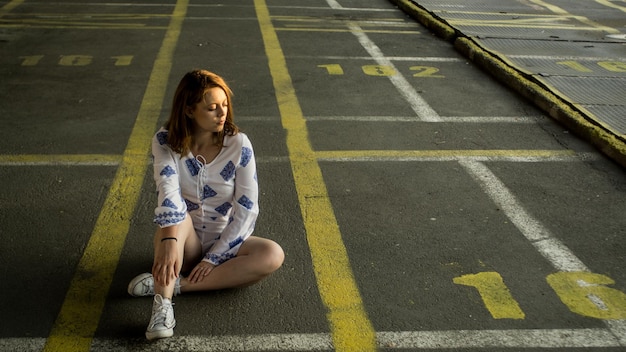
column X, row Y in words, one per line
column 552, row 104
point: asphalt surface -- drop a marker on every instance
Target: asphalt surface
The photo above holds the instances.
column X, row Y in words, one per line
column 424, row 201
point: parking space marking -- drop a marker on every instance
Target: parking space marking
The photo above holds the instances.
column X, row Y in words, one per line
column 451, row 155
column 312, row 209
column 560, row 11
column 75, row 20
column 391, row 58
column 350, row 327
column 608, row 3
column 9, row 6
column 460, row 339
column 60, row 159
column 418, row 104
column 80, row 313
column 450, row 119
column 552, row 249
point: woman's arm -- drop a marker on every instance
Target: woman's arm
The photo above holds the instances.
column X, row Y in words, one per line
column 171, row 208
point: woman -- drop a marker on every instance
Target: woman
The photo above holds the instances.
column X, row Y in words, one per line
column 205, row 174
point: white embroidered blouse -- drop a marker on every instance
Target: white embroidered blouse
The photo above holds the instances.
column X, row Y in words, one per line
column 221, row 196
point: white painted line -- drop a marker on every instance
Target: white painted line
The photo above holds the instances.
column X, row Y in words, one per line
column 453, row 119
column 418, row 104
column 408, row 156
column 565, row 58
column 22, row 344
column 618, row 327
column 391, row 58
column 553, row 250
column 333, row 4
column 459, row 339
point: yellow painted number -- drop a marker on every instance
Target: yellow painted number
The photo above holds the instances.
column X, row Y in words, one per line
column 426, row 71
column 332, row 69
column 122, row 60
column 75, row 60
column 378, row 70
column 494, row 293
column 585, row 293
column 613, row 66
column 575, row 66
column 31, row 60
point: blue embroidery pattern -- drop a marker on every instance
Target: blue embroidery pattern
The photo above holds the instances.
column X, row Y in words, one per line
column 191, row 205
column 193, row 165
column 246, row 155
column 167, row 171
column 162, row 137
column 208, row 192
column 219, row 259
column 224, row 208
column 229, row 171
column 168, row 203
column 236, row 242
column 172, row 217
column 246, row 202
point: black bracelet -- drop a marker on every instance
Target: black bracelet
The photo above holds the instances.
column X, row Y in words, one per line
column 169, row 238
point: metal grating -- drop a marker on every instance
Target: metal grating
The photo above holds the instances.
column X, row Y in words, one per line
column 557, row 48
column 613, row 116
column 590, row 90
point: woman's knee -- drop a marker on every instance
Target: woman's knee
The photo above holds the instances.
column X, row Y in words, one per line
column 275, row 256
column 269, row 255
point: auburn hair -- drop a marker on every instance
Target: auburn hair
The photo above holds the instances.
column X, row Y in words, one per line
column 190, row 91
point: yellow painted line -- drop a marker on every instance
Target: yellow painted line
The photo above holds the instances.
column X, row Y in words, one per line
column 78, row 319
column 41, row 22
column 87, row 15
column 443, row 154
column 333, row 19
column 81, row 26
column 351, row 330
column 60, row 159
column 582, row 19
column 10, row 6
column 610, row 4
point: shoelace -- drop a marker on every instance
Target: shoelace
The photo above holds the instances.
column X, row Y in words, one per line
column 148, row 286
column 201, row 173
column 161, row 315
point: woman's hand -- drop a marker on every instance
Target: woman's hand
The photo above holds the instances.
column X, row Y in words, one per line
column 166, row 263
column 202, row 270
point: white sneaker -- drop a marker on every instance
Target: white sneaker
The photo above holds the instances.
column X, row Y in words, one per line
column 162, row 322
column 141, row 286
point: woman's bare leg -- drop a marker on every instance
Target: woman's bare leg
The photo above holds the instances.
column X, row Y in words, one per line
column 256, row 259
column 189, row 249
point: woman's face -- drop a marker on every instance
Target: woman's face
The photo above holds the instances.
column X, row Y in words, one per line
column 209, row 115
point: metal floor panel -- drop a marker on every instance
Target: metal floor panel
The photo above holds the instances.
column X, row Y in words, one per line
column 614, row 116
column 577, row 50
column 481, row 6
column 591, row 90
column 557, row 48
column 538, row 33
column 566, row 67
